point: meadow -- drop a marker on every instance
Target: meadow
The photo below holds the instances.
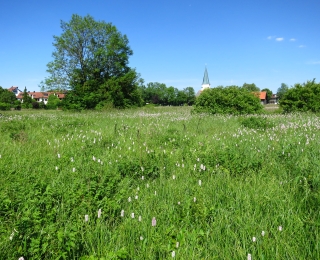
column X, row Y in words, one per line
column 159, row 183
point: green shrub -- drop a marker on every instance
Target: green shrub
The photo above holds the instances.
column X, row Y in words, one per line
column 5, row 106
column 254, row 122
column 229, row 100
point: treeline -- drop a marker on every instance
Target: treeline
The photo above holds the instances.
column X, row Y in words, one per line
column 159, row 94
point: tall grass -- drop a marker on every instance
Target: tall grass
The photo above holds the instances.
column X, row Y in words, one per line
column 219, row 187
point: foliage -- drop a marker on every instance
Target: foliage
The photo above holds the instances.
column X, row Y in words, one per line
column 26, row 99
column 282, row 90
column 91, row 59
column 159, row 94
column 217, row 190
column 7, row 97
column 53, row 102
column 229, row 100
column 305, row 97
column 4, row 106
column 258, row 123
column 250, row 87
column 269, row 93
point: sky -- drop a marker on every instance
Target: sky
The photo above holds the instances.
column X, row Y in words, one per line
column 262, row 42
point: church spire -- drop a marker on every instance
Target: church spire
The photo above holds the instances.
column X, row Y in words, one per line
column 206, row 78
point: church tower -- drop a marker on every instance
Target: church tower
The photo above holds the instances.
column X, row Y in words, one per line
column 205, row 82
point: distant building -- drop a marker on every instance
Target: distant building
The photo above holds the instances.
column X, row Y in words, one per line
column 274, row 99
column 205, row 82
column 15, row 90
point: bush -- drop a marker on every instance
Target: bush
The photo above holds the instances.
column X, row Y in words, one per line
column 4, row 106
column 256, row 123
column 229, row 100
column 302, row 98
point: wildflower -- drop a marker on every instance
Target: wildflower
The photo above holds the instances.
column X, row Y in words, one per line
column 139, row 218
column 99, row 213
column 263, row 233
column 132, row 215
column 154, row 222
column 141, row 238
column 147, row 185
column 155, row 192
column 142, row 177
column 57, row 168
column 136, row 197
column 280, row 228
column 122, row 213
column 254, row 239
column 249, row 257
column 71, row 159
column 173, row 253
column 11, row 236
column 86, row 218
column 59, row 155
column 194, row 199
column 129, row 199
column 93, row 158
column 178, row 202
column 177, row 244
column 73, row 169
column 200, row 182
column 21, row 258
column 173, row 177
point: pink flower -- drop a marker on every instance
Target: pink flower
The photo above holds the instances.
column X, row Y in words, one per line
column 154, row 222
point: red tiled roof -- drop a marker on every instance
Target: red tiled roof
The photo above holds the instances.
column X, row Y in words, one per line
column 12, row 88
column 263, row 95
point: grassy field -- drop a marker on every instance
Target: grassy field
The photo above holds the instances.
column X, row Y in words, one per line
column 159, row 183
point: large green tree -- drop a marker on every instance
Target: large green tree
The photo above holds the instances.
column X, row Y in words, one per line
column 7, row 99
column 91, row 60
column 250, row 87
column 269, row 93
column 282, row 90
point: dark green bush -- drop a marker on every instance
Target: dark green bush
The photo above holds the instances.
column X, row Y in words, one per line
column 229, row 100
column 254, row 122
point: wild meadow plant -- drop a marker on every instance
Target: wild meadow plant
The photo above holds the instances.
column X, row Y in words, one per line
column 158, row 184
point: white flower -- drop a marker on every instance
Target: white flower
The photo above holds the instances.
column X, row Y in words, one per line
column 142, row 177
column 59, row 155
column 249, row 257
column 86, row 218
column 11, row 236
column 132, row 215
column 122, row 213
column 99, row 213
column 263, row 233
column 73, row 169
column 200, row 182
column 141, row 238
column 178, row 202
column 177, row 244
column 21, row 258
column 280, row 228
column 173, row 177
column 254, row 239
column 194, row 199
column 57, row 168
column 155, row 192
column 139, row 218
column 173, row 253
column 129, row 199
column 136, row 197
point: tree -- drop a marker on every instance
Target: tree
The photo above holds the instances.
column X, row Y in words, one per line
column 305, row 97
column 229, row 100
column 7, row 96
column 26, row 99
column 282, row 90
column 91, row 60
column 190, row 95
column 269, row 93
column 250, row 87
column 53, row 102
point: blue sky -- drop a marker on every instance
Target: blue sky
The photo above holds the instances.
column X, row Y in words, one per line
column 262, row 42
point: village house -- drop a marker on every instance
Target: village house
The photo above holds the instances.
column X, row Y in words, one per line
column 37, row 96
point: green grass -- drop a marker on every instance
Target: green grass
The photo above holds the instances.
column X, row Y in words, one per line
column 56, row 167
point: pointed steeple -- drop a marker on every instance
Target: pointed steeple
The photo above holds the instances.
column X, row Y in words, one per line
column 206, row 78
column 205, row 82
